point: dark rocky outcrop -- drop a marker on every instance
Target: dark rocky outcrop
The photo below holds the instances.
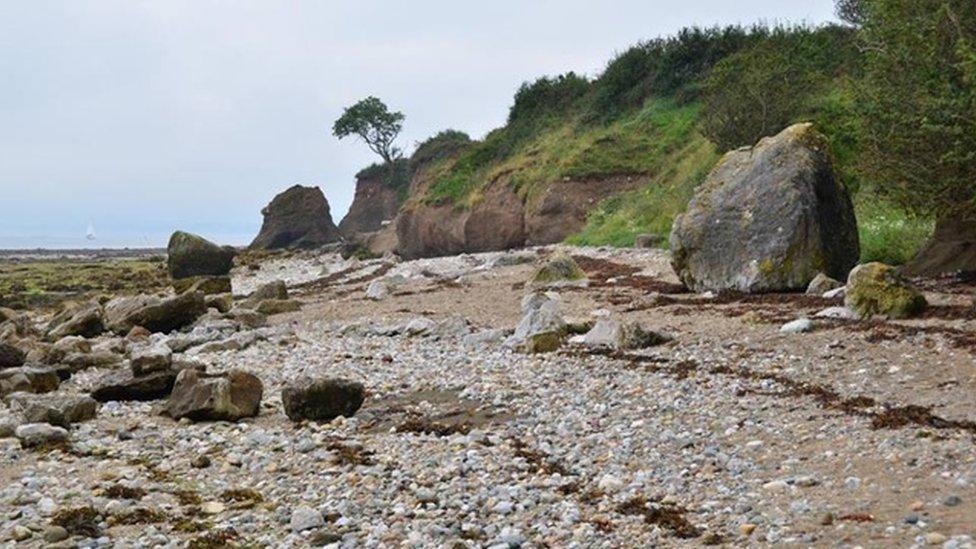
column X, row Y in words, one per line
column 952, row 249
column 214, row 397
column 322, row 399
column 768, row 218
column 189, row 255
column 374, row 203
column 297, row 218
column 10, row 356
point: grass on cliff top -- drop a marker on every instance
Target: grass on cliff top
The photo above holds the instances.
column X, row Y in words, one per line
column 570, row 150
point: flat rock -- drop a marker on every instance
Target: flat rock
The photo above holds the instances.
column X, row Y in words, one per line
column 31, row 379
column 154, row 314
column 124, row 386
column 37, row 434
column 60, row 410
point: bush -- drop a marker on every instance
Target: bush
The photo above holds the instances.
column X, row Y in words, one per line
column 443, row 145
column 547, row 96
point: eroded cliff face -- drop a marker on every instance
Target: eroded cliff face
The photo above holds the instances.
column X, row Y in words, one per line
column 501, row 219
column 373, row 204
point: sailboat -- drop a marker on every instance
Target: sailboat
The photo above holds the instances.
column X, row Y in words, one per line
column 90, row 233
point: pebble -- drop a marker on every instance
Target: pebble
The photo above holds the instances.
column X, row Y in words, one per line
column 304, row 518
column 54, row 534
column 935, row 538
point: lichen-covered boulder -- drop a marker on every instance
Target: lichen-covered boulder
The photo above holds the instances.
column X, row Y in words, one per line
column 190, row 255
column 560, row 268
column 322, row 399
column 214, row 397
column 878, row 289
column 768, row 218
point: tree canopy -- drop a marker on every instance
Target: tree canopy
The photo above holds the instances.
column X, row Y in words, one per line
column 375, row 124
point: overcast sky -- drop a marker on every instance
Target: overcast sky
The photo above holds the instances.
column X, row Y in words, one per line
column 148, row 116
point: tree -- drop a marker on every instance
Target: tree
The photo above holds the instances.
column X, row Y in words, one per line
column 372, row 121
column 851, row 11
column 917, row 105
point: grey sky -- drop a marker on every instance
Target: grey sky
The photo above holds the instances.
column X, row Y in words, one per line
column 146, row 116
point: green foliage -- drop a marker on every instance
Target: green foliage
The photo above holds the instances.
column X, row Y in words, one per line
column 372, row 121
column 547, row 97
column 888, row 233
column 443, row 145
column 916, row 103
column 762, row 89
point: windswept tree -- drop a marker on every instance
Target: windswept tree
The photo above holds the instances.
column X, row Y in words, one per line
column 372, row 121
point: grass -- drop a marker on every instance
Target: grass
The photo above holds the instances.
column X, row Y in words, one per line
column 651, row 210
column 641, row 144
column 888, row 234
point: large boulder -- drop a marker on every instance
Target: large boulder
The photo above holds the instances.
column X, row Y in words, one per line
column 322, row 399
column 877, row 289
column 559, row 269
column 191, row 255
column 154, row 314
column 30, row 379
column 86, row 321
column 768, row 218
column 125, row 386
column 297, row 218
column 214, row 397
column 542, row 328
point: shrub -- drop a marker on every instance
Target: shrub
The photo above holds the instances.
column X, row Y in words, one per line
column 443, row 145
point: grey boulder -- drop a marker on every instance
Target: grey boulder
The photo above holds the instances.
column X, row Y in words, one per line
column 768, row 218
column 39, row 434
column 214, row 397
column 154, row 314
column 61, row 410
column 29, row 379
column 322, row 399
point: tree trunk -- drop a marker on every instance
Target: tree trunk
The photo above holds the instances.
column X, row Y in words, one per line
column 951, row 249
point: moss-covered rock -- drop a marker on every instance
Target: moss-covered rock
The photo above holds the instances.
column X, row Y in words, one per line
column 191, row 255
column 545, row 342
column 877, row 289
column 560, row 267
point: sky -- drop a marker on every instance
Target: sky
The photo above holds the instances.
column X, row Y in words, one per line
column 147, row 116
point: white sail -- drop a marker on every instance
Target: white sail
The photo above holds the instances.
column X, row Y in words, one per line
column 90, row 233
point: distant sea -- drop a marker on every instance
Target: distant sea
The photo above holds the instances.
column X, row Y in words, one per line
column 108, row 241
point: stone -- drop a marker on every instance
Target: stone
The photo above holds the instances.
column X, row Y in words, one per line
column 278, row 306
column 798, row 326
column 214, row 397
column 839, row 313
column 76, row 362
column 420, row 326
column 10, row 356
column 150, row 358
column 877, row 289
column 222, row 302
column 124, row 386
column 768, row 218
column 54, row 534
column 297, row 218
column 189, row 255
column 645, row 241
column 154, row 314
column 31, row 379
column 37, row 434
column 272, row 290
column 247, row 318
column 822, row 284
column 212, row 508
column 383, row 287
column 60, row 410
column 304, row 518
column 559, row 269
column 322, row 399
column 837, row 293
column 935, row 538
column 21, row 533
column 747, row 529
column 615, row 335
column 207, row 285
column 542, row 328
column 84, row 322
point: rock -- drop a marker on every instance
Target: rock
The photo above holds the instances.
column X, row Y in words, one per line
column 798, row 326
column 542, row 328
column 54, row 534
column 649, row 241
column 877, row 289
column 28, row 379
column 189, row 255
column 9, row 424
column 10, row 356
column 37, row 434
column 76, row 362
column 69, row 345
column 560, row 268
column 821, row 284
column 935, row 538
column 952, row 501
column 212, row 508
column 150, row 358
column 952, row 249
column 297, row 218
column 248, row 318
column 383, row 287
column 214, row 397
column 154, row 314
column 839, row 313
column 124, row 386
column 222, row 302
column 20, row 533
column 304, row 518
column 60, row 410
column 420, row 326
column 85, row 322
column 207, row 285
column 610, row 484
column 322, row 399
column 511, row 259
column 836, row 293
column 612, row 334
column 747, row 529
column 278, row 306
column 271, row 290
column 486, row 338
column 767, row 218
column 375, row 201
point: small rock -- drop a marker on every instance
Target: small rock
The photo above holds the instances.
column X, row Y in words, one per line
column 935, row 538
column 305, row 518
column 747, row 529
column 54, row 534
column 36, row 434
column 952, row 501
column 799, row 326
column 212, row 508
column 20, row 533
